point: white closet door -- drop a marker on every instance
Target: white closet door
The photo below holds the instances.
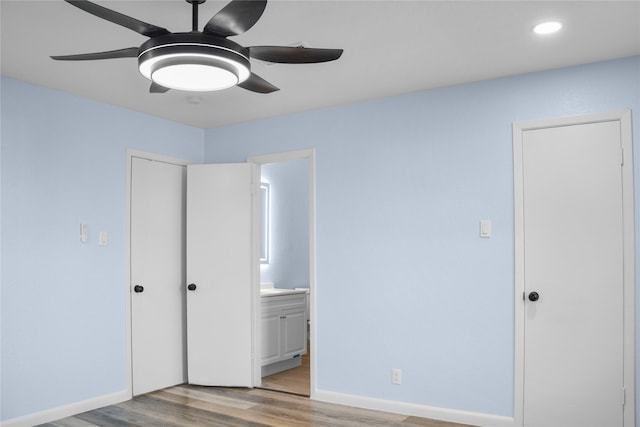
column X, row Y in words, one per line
column 222, row 274
column 573, row 267
column 158, row 335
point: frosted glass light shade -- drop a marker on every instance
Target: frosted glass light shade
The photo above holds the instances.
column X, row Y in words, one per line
column 194, row 77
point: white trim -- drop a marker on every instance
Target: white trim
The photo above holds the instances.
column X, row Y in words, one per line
column 256, row 234
column 629, row 272
column 624, row 117
column 158, row 158
column 68, row 410
column 414, row 409
column 310, row 155
column 287, row 156
column 518, row 212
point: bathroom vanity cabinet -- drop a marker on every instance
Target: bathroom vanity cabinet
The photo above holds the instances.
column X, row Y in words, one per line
column 283, row 326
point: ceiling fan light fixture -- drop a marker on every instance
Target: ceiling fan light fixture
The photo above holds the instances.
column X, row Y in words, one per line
column 205, row 60
column 192, row 62
column 194, row 75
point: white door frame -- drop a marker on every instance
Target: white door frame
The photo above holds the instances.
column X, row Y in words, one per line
column 624, row 117
column 288, row 156
column 153, row 157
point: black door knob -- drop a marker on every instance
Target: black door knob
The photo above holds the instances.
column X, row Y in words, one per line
column 191, row 286
column 533, row 296
column 138, row 289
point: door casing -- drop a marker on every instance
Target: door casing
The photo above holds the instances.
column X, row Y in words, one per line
column 288, row 156
column 624, row 117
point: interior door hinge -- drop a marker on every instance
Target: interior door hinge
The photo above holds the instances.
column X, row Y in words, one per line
column 621, row 156
column 624, row 396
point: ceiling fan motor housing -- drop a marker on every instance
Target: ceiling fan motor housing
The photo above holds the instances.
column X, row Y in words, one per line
column 194, row 61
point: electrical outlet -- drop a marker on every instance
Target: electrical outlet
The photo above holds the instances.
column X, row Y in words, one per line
column 396, row 376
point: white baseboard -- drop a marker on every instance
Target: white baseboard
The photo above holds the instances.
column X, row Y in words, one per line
column 410, row 409
column 413, row 409
column 67, row 410
column 280, row 366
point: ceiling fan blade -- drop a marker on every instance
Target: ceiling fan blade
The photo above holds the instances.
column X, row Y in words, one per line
column 143, row 28
column 293, row 55
column 129, row 52
column 257, row 84
column 156, row 88
column 235, row 18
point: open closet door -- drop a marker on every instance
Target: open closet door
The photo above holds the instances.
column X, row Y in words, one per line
column 222, row 274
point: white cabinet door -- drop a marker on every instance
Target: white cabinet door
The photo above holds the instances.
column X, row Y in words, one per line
column 270, row 335
column 222, row 274
column 294, row 332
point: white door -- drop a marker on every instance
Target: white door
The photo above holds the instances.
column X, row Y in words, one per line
column 158, row 340
column 573, row 276
column 222, row 274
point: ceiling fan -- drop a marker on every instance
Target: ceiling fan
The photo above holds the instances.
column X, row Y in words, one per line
column 201, row 60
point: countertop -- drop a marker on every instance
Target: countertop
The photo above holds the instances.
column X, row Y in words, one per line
column 269, row 292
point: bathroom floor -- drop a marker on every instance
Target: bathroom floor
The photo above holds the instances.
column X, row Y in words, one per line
column 294, row 381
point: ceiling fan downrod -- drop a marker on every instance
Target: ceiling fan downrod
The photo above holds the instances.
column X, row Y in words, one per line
column 194, row 13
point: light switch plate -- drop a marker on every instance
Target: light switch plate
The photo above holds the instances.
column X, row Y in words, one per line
column 103, row 238
column 83, row 233
column 485, row 228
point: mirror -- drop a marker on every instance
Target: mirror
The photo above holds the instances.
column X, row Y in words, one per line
column 264, row 241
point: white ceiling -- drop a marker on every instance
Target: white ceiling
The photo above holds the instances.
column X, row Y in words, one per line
column 390, row 48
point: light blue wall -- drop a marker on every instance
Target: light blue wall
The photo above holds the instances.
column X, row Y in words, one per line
column 289, row 230
column 403, row 279
column 63, row 302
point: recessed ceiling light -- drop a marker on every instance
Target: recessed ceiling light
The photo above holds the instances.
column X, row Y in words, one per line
column 547, row 27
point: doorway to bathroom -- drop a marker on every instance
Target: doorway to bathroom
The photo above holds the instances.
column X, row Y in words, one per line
column 288, row 268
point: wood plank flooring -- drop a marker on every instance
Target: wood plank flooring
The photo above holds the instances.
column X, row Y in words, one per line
column 296, row 380
column 187, row 405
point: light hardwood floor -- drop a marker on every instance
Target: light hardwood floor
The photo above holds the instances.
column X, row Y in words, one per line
column 295, row 381
column 187, row 405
